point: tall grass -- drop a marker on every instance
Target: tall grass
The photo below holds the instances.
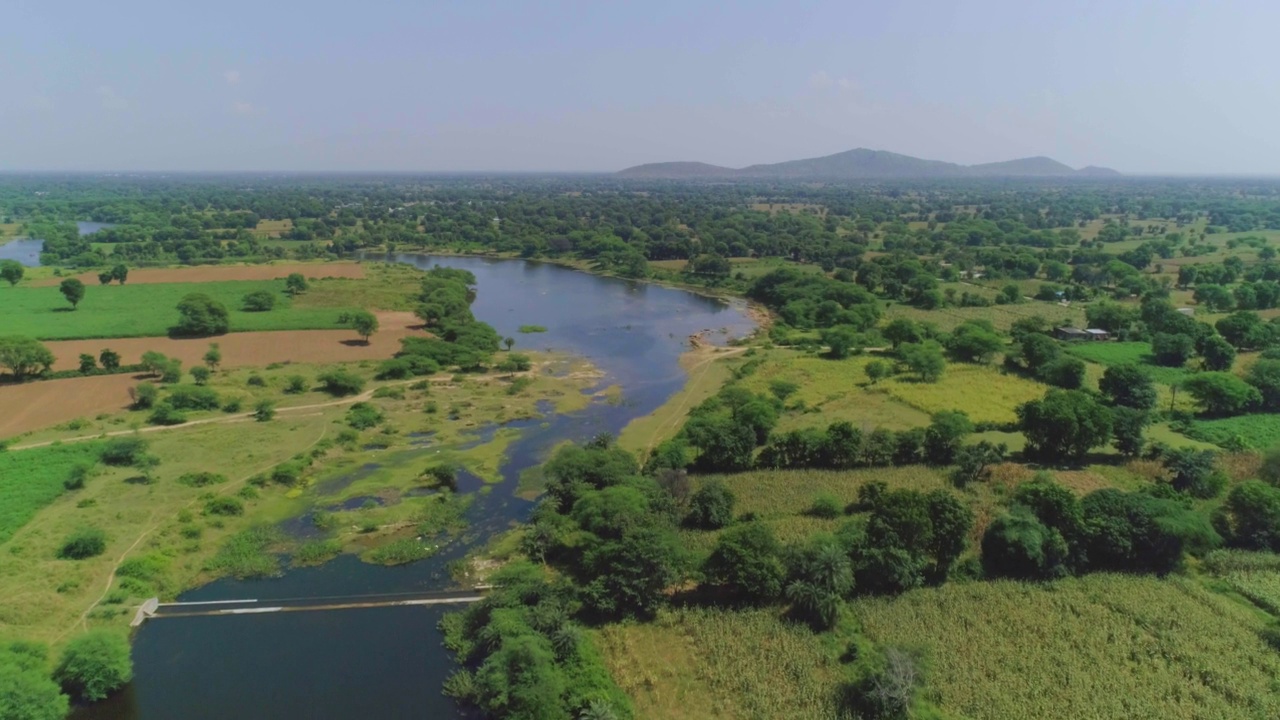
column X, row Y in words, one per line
column 31, row 479
column 1102, row 646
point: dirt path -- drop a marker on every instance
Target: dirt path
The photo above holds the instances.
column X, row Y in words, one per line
column 699, row 362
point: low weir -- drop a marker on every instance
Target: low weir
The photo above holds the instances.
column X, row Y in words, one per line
column 154, row 609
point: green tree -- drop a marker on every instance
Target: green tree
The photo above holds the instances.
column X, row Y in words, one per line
column 1065, row 372
column 1265, row 376
column 24, row 357
column 1221, row 393
column 820, row 575
column 11, row 271
column 1127, row 426
column 877, row 370
column 924, row 359
column 509, row 342
column 711, row 507
column 522, row 680
column 120, row 273
column 1128, row 385
column 73, row 290
column 200, row 314
column 88, row 363
column 944, row 436
column 1218, row 353
column 902, row 330
column 1037, row 350
column 295, row 284
column 94, row 665
column 213, row 356
column 264, row 411
column 842, row 341
column 104, row 278
column 1064, row 425
column 363, row 322
column 973, row 462
column 83, row 543
column 259, row 301
column 109, row 359
column 1172, row 349
column 974, row 341
column 1018, row 545
column 747, row 563
column 26, row 690
column 630, row 575
column 200, row 374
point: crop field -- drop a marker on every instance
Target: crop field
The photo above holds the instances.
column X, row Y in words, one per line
column 695, row 663
column 1259, row 432
column 1002, row 316
column 145, row 310
column 1120, row 353
column 224, row 273
column 1262, row 587
column 1007, row 651
column 34, row 405
column 984, row 392
column 31, row 480
column 831, row 390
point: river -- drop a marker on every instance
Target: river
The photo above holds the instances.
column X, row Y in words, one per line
column 388, row 663
column 27, row 250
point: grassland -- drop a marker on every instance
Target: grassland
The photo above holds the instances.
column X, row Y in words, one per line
column 1002, row 316
column 146, row 310
column 1258, row 432
column 31, row 480
column 1108, row 354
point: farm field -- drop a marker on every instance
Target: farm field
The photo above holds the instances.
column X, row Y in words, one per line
column 146, row 310
column 256, row 348
column 34, row 405
column 1120, row 353
column 1170, row 649
column 1256, row 432
column 223, row 273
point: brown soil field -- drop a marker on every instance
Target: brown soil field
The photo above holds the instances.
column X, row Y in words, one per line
column 41, row 404
column 250, row 349
column 36, row 405
column 219, row 273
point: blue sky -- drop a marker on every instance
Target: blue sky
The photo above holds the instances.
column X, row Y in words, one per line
column 1146, row 87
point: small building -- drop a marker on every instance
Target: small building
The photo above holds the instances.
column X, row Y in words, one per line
column 1071, row 334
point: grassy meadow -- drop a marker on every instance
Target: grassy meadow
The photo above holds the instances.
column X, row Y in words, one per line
column 31, row 480
column 147, row 310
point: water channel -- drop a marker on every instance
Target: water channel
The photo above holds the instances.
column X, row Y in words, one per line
column 389, row 662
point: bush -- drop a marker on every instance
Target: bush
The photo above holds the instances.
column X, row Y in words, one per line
column 166, row 414
column 94, row 665
column 341, row 383
column 201, row 479
column 145, row 396
column 124, row 451
column 264, row 411
column 295, row 385
column 193, row 397
column 200, row 314
column 711, row 507
column 83, row 543
column 259, row 301
column 224, row 505
column 363, row 416
column 232, row 405
column 256, row 380
column 77, row 477
column 826, row 507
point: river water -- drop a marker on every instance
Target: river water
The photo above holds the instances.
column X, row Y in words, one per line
column 388, row 663
column 27, row 250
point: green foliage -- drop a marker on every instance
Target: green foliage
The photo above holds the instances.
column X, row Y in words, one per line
column 974, row 341
column 363, row 322
column 94, row 665
column 73, row 290
column 83, row 543
column 127, row 450
column 747, row 563
column 201, row 479
column 340, row 383
column 924, row 359
column 399, row 552
column 246, row 554
column 199, row 315
column 193, row 397
column 26, row 690
column 363, row 416
column 711, row 506
column 1064, row 426
column 24, row 357
column 1221, row 393
column 1129, row 385
column 259, row 301
column 11, row 271
column 532, row 329
column 224, row 505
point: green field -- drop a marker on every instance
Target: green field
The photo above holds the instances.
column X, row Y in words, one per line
column 1259, row 432
column 32, row 479
column 1120, row 353
column 1100, row 646
column 147, row 310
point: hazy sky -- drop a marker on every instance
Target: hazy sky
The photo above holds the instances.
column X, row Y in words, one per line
column 1187, row 86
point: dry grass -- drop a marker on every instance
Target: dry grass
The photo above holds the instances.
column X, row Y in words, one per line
column 984, row 392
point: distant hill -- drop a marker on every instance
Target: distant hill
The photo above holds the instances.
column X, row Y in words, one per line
column 863, row 163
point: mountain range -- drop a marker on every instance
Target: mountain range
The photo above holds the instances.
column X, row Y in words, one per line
column 870, row 164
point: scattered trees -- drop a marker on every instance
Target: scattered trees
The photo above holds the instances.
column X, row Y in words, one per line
column 363, row 322
column 24, row 357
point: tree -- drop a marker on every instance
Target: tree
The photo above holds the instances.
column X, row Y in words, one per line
column 265, row 410
column 1038, row 350
column 200, row 314
column 340, row 383
column 88, row 363
column 1128, row 385
column 1195, row 472
column 944, row 436
column 26, row 690
column 711, row 507
column 94, row 665
column 104, row 278
column 902, row 330
column 213, row 356
column 1065, row 372
column 950, row 521
column 1221, row 393
column 974, row 341
column 259, row 301
column 820, row 576
column 1265, row 376
column 1064, row 425
column 724, row 444
column 877, row 370
column 363, row 322
column 630, row 575
column 1251, row 517
column 842, row 341
column 747, row 563
column 83, row 543
column 1172, row 349
column 295, row 284
column 73, row 290
column 509, row 342
column 924, row 359
column 120, row 273
column 1245, row 330
column 1127, row 427
column 1218, row 353
column 1109, row 316
column 24, row 356
column 200, row 374
column 109, row 359
column 1018, row 545
column 11, row 271
column 973, row 462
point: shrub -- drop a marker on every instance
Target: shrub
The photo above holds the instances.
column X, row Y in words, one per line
column 166, row 414
column 224, row 505
column 363, row 416
column 144, row 396
column 201, row 479
column 94, row 665
column 193, row 397
column 259, row 301
column 295, row 385
column 264, row 411
column 711, row 506
column 124, row 451
column 256, row 380
column 341, row 383
column 200, row 314
column 826, row 507
column 77, row 477
column 232, row 405
column 83, row 543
